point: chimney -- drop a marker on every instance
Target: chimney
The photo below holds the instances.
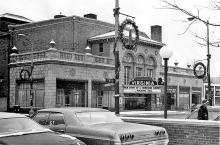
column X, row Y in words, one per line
column 91, row 16
column 156, row 33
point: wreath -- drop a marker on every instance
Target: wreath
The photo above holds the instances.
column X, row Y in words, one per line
column 195, row 71
column 24, row 74
column 133, row 45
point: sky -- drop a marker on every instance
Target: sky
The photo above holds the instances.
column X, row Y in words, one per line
column 185, row 48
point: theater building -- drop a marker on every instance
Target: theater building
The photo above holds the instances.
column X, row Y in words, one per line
column 67, row 73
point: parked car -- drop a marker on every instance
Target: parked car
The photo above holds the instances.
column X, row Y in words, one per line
column 213, row 113
column 17, row 129
column 96, row 126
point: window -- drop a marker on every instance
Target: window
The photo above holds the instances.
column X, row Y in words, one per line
column 217, row 90
column 23, row 98
column 127, row 75
column 42, row 118
column 150, row 73
column 56, row 119
column 101, row 47
column 139, row 71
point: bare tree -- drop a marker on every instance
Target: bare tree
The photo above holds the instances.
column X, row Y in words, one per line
column 192, row 18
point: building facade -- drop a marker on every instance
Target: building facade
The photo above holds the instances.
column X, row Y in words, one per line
column 5, row 45
column 66, row 74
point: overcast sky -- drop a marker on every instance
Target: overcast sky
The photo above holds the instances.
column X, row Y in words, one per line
column 146, row 13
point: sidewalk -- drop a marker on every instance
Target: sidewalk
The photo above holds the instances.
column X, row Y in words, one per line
column 150, row 113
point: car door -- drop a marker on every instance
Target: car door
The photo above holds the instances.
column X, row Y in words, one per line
column 56, row 122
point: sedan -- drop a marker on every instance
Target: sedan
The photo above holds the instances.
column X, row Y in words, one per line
column 96, row 126
column 17, row 129
column 213, row 113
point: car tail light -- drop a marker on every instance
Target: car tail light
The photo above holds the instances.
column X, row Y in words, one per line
column 124, row 137
column 159, row 132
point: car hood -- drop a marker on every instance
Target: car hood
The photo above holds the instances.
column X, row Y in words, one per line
column 39, row 138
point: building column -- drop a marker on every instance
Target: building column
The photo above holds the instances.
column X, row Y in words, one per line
column 190, row 96
column 50, row 89
column 178, row 95
column 89, row 93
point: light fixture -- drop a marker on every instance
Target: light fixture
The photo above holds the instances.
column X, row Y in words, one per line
column 88, row 50
column 165, row 53
column 176, row 63
column 14, row 51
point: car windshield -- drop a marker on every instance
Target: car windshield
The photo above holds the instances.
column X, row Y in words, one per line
column 16, row 125
column 212, row 115
column 90, row 118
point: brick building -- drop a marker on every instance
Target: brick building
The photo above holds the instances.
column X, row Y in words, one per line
column 5, row 45
column 67, row 74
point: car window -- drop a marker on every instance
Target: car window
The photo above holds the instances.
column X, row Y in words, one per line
column 89, row 118
column 14, row 125
column 42, row 118
column 56, row 119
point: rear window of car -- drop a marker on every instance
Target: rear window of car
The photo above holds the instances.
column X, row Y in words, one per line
column 14, row 125
column 90, row 118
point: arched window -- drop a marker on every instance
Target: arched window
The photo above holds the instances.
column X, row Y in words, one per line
column 151, row 61
column 151, row 66
column 128, row 58
column 140, row 59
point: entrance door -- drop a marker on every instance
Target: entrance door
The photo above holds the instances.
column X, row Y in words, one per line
column 148, row 101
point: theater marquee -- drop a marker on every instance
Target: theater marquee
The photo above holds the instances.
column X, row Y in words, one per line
column 142, row 89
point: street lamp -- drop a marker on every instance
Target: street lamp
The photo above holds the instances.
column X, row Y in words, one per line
column 165, row 53
column 209, row 97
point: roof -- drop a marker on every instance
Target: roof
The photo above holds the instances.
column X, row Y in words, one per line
column 111, row 34
column 74, row 109
column 16, row 17
column 10, row 115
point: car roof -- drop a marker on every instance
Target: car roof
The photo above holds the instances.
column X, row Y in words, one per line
column 73, row 109
column 4, row 115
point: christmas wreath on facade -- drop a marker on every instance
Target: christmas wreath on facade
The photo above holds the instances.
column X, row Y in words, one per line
column 133, row 44
column 199, row 65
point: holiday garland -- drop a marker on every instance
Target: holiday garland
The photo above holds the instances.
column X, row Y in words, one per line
column 133, row 45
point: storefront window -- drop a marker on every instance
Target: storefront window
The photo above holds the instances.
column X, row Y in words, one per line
column 71, row 94
column 217, row 100
column 217, row 91
column 23, row 97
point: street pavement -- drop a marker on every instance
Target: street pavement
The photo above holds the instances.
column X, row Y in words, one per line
column 155, row 114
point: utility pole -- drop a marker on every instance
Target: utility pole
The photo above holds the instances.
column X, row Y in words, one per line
column 10, row 41
column 117, row 61
column 208, row 66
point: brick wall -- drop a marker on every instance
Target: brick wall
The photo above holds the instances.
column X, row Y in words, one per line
column 185, row 132
column 69, row 33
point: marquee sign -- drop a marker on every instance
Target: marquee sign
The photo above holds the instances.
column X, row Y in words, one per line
column 142, row 82
column 142, row 89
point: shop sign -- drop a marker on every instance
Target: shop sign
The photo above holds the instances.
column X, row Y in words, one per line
column 171, row 89
column 142, row 89
column 196, row 90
